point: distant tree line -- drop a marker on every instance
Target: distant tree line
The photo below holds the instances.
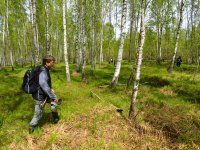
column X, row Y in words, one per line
column 31, row 28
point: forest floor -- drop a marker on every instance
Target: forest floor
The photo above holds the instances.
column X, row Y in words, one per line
column 168, row 112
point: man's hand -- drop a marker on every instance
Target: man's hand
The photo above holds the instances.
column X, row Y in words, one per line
column 57, row 101
column 54, row 101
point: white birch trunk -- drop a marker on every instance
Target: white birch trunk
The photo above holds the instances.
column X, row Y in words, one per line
column 24, row 42
column 65, row 42
column 116, row 22
column 160, row 28
column 34, row 30
column 170, row 69
column 188, row 33
column 31, row 18
column 109, row 35
column 191, row 52
column 57, row 45
column 8, row 37
column 135, row 32
column 57, row 41
column 3, row 63
column 160, row 43
column 93, row 38
column 101, row 40
column 101, row 36
column 139, row 62
column 48, row 37
column 19, row 43
column 120, row 52
column 77, row 48
column 83, row 41
column 131, row 30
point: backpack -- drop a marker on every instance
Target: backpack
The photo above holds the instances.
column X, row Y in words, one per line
column 30, row 83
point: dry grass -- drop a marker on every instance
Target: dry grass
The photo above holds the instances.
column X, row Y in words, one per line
column 75, row 74
column 167, row 92
column 103, row 128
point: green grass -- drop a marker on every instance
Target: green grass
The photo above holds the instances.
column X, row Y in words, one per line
column 166, row 102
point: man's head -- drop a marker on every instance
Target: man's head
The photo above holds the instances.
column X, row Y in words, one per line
column 48, row 61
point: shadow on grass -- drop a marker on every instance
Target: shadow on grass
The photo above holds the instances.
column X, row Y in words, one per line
column 187, row 69
column 154, row 81
column 190, row 95
column 11, row 101
column 101, row 77
column 178, row 127
column 46, row 118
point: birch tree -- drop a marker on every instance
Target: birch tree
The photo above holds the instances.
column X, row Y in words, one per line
column 8, row 37
column 58, row 43
column 139, row 62
column 93, row 52
column 191, row 57
column 83, row 41
column 158, row 13
column 120, row 52
column 3, row 63
column 65, row 42
column 28, row 36
column 103, row 13
column 135, row 15
column 170, row 69
column 109, row 35
column 101, row 36
column 24, row 41
column 19, row 42
column 47, row 35
column 194, row 17
column 136, row 25
column 34, row 32
column 116, row 17
column 132, row 11
column 78, row 53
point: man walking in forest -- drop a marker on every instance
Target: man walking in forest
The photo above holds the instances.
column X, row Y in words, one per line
column 44, row 93
column 178, row 61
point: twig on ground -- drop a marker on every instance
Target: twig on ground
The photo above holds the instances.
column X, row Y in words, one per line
column 103, row 86
column 93, row 94
column 116, row 108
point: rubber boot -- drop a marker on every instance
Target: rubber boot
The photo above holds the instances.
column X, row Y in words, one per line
column 55, row 117
column 31, row 129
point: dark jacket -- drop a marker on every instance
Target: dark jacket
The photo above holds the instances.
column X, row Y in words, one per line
column 44, row 90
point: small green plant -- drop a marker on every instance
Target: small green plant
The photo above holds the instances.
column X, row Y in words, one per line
column 38, row 132
column 53, row 138
column 93, row 128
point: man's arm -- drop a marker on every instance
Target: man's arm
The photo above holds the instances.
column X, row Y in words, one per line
column 44, row 85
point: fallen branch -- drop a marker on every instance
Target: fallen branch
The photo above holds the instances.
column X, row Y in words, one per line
column 103, row 86
column 121, row 84
column 93, row 94
column 117, row 109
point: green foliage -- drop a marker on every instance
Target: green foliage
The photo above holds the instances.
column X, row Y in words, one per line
column 161, row 13
column 53, row 138
column 169, row 103
column 149, row 51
